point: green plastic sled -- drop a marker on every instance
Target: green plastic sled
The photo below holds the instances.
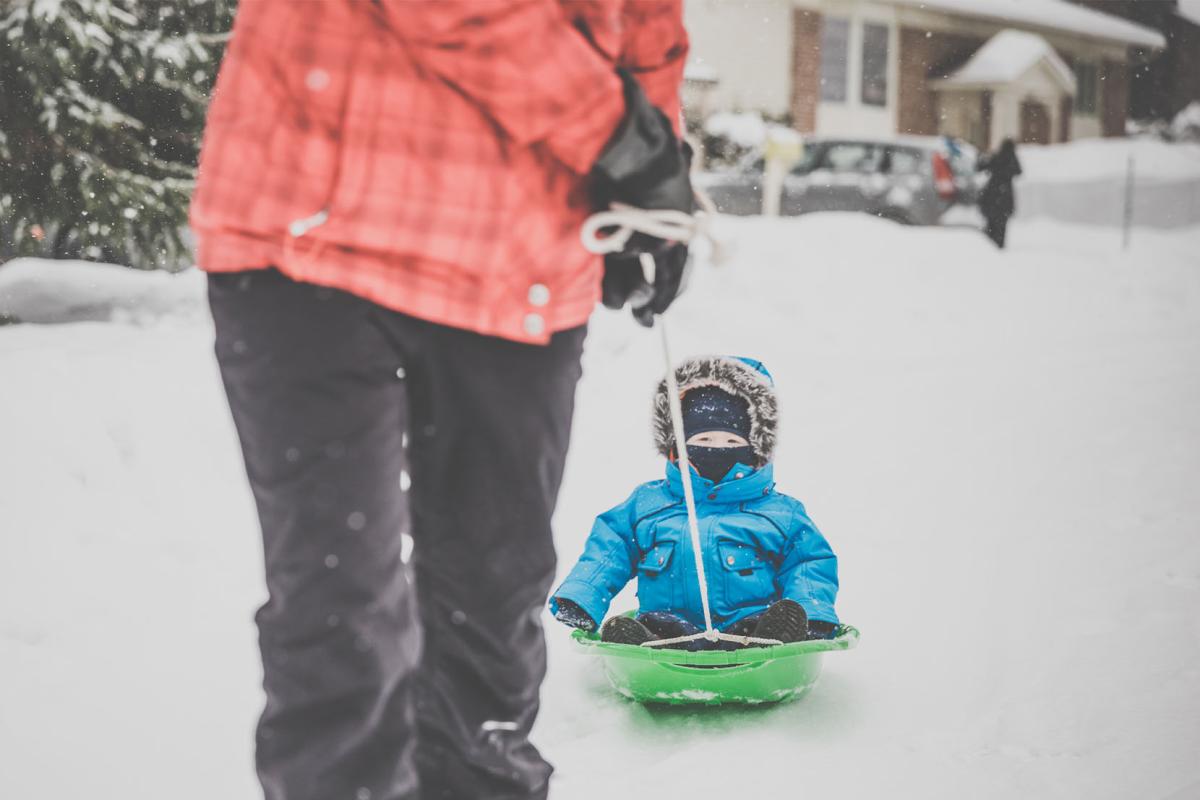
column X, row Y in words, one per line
column 751, row 675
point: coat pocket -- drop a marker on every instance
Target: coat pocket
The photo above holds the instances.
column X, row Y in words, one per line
column 749, row 580
column 658, row 588
column 657, row 559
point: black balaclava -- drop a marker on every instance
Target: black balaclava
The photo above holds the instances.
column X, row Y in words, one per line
column 708, row 408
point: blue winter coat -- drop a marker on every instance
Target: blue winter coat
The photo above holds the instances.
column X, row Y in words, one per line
column 759, row 546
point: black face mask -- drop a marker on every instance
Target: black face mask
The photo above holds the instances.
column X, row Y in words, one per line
column 714, row 463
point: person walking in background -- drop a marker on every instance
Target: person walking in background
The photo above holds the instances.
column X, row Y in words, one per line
column 389, row 203
column 996, row 201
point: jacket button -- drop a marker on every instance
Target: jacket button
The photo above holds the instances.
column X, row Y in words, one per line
column 730, row 561
column 712, row 496
column 539, row 295
column 316, row 79
column 739, row 475
column 535, row 325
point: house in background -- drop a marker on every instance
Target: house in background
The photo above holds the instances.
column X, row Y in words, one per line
column 1014, row 85
column 1166, row 80
column 1035, row 70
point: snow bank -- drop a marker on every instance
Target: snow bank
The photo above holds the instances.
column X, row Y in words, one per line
column 1095, row 159
column 1084, row 182
column 1002, row 446
column 46, row 291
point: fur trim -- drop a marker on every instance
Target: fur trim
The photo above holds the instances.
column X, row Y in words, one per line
column 733, row 376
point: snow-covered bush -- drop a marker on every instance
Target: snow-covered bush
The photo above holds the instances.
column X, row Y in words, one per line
column 1186, row 125
column 730, row 136
column 102, row 104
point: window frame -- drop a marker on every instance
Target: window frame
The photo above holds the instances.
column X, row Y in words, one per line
column 826, row 84
column 1086, row 102
column 869, row 82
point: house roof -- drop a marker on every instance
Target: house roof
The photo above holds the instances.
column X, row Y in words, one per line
column 1006, row 57
column 1190, row 10
column 1055, row 15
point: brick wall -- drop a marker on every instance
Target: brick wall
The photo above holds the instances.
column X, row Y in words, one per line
column 923, row 57
column 1114, row 97
column 806, row 69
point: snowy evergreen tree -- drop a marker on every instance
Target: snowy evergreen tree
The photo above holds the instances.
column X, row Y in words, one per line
column 101, row 109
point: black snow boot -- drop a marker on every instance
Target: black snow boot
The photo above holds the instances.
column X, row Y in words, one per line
column 784, row 621
column 625, row 630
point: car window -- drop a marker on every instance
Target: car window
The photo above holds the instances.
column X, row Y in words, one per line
column 962, row 163
column 850, row 157
column 810, row 156
column 899, row 161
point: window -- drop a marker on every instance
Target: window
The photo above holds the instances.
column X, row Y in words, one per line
column 835, row 41
column 1085, row 88
column 874, row 64
column 807, row 159
column 901, row 162
column 850, row 157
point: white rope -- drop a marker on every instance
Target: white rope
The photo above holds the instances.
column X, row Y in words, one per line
column 622, row 221
column 667, row 224
column 685, row 470
column 724, row 637
column 675, row 226
column 689, row 496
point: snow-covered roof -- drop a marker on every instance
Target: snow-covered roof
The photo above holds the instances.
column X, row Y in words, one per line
column 1057, row 15
column 1190, row 10
column 1006, row 57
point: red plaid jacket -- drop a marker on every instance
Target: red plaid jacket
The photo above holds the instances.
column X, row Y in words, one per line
column 428, row 156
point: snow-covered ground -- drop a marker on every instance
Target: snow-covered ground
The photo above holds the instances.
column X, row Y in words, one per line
column 1087, row 182
column 1004, row 448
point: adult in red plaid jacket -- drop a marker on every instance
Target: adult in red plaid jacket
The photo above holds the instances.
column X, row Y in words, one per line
column 388, row 207
column 428, row 156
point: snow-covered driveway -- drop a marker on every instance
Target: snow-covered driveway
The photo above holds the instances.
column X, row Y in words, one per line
column 1004, row 448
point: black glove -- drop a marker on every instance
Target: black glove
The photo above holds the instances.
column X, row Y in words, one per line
column 625, row 282
column 643, row 165
column 571, row 613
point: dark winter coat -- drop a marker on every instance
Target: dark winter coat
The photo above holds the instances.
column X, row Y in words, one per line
column 759, row 545
column 996, row 199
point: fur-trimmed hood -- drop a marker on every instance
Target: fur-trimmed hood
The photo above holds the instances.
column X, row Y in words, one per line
column 741, row 377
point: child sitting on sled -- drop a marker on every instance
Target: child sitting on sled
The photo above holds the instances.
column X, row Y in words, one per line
column 770, row 572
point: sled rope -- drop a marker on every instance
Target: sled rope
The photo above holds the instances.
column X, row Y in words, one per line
column 609, row 231
column 676, row 226
column 675, row 404
column 685, row 470
column 666, row 224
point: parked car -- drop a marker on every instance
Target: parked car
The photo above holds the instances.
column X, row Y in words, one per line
column 912, row 180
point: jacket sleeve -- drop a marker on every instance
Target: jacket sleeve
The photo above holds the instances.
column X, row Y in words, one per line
column 523, row 64
column 655, row 49
column 809, row 572
column 608, row 563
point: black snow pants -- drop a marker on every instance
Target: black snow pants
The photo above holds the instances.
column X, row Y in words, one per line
column 367, row 435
